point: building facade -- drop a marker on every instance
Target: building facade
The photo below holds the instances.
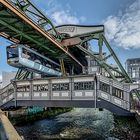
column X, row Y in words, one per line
column 133, row 69
column 93, row 66
column 7, row 77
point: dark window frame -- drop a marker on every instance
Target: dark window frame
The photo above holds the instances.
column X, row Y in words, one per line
column 40, row 87
column 60, row 86
column 116, row 92
column 88, row 85
column 104, row 87
column 23, row 88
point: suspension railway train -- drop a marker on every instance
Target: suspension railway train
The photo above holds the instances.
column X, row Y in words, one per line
column 23, row 57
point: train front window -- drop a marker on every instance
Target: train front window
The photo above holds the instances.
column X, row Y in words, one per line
column 12, row 52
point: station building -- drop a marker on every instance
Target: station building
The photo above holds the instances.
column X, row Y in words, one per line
column 133, row 69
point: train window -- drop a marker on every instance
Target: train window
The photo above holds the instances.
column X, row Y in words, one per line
column 37, row 59
column 60, row 87
column 25, row 88
column 117, row 92
column 12, row 52
column 84, row 85
column 43, row 87
column 26, row 54
column 104, row 87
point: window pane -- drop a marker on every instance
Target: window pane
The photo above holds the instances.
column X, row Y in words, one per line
column 84, row 85
column 60, row 87
column 104, row 87
column 117, row 92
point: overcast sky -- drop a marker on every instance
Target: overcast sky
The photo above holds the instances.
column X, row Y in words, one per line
column 120, row 17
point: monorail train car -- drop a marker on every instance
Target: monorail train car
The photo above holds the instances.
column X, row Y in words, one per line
column 20, row 56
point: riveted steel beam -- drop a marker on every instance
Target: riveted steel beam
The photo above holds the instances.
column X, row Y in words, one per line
column 41, row 32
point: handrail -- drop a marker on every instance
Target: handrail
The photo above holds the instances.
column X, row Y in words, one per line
column 2, row 90
column 4, row 93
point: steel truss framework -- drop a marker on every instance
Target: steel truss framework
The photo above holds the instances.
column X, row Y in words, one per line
column 18, row 27
column 21, row 22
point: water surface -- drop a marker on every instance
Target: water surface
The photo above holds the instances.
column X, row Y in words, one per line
column 78, row 124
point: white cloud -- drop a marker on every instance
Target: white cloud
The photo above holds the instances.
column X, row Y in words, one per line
column 63, row 15
column 124, row 30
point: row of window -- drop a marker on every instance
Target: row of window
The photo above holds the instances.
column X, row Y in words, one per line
column 38, row 59
column 40, row 87
column 84, row 85
column 25, row 88
column 77, row 86
column 115, row 91
column 60, row 87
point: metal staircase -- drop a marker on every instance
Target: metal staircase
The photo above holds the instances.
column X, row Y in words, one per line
column 6, row 94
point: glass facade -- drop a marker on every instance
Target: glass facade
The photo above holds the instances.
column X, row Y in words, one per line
column 133, row 69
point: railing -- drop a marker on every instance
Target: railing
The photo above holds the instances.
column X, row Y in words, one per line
column 6, row 94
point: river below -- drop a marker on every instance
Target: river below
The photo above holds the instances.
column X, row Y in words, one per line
column 77, row 124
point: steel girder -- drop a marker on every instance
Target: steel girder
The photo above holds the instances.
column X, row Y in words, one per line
column 23, row 74
column 16, row 29
column 120, row 72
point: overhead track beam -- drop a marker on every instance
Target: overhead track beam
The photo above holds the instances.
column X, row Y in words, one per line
column 30, row 22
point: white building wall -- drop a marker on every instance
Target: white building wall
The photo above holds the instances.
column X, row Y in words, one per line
column 7, row 77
